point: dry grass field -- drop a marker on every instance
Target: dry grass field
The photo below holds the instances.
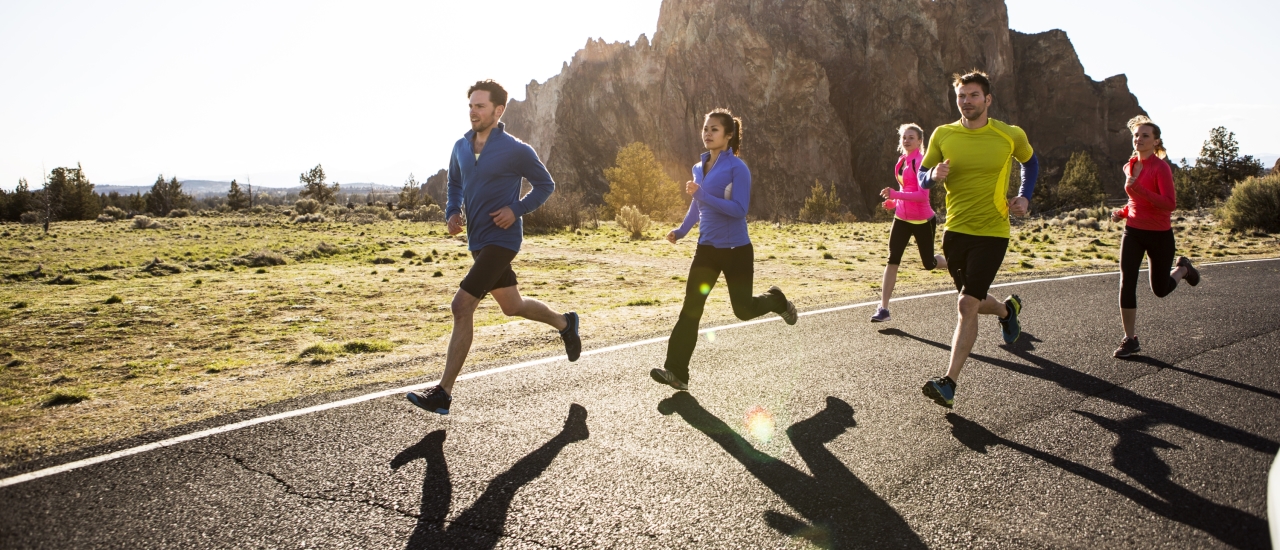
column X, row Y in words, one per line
column 108, row 331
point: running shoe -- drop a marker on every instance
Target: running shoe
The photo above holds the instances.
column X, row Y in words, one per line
column 1193, row 275
column 789, row 313
column 663, row 376
column 881, row 315
column 1010, row 328
column 433, row 399
column 572, row 342
column 1128, row 346
column 941, row 390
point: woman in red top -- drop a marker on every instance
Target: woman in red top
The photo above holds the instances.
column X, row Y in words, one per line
column 1147, row 231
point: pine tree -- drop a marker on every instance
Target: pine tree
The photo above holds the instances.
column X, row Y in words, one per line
column 236, row 197
column 314, row 187
column 821, row 206
column 409, row 194
column 1080, row 185
column 1220, row 161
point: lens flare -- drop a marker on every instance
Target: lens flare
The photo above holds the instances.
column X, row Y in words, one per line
column 760, row 423
column 710, row 335
column 705, row 289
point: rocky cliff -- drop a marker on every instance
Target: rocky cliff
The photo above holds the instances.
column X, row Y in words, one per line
column 822, row 86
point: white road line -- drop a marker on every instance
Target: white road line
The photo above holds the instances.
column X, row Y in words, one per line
column 386, row 393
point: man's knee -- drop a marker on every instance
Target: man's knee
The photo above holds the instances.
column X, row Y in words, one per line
column 511, row 308
column 464, row 305
column 967, row 305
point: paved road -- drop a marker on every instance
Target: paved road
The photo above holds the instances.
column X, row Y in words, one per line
column 1053, row 444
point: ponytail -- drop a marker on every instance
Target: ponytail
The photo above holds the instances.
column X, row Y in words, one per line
column 732, row 125
column 1143, row 120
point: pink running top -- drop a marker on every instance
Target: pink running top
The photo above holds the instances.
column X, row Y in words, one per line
column 912, row 202
column 1151, row 198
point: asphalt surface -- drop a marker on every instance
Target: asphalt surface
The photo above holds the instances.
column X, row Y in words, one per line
column 1052, row 444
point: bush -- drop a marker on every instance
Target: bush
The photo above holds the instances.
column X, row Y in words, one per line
column 306, row 206
column 157, row 268
column 1254, row 204
column 564, row 209
column 821, row 206
column 65, row 397
column 630, row 218
column 638, row 180
column 115, row 212
column 179, row 213
column 29, row 218
column 144, row 222
column 309, row 218
column 261, row 258
column 103, row 218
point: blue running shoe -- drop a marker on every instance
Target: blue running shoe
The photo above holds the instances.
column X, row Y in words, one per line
column 941, row 390
column 572, row 342
column 1010, row 328
column 435, row 399
column 881, row 315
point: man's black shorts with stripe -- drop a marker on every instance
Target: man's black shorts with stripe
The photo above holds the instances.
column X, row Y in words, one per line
column 973, row 261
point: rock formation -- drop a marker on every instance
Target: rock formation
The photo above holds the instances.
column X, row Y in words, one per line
column 822, row 86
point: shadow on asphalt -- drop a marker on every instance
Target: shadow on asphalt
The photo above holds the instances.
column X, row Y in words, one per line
column 1135, row 452
column 481, row 525
column 839, row 510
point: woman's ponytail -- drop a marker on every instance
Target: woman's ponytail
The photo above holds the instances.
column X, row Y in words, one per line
column 732, row 125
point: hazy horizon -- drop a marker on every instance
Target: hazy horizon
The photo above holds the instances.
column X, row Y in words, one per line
column 264, row 91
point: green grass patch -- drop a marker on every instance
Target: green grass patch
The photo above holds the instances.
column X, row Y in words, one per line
column 322, row 349
column 644, row 302
column 18, row 305
column 65, row 397
column 114, row 299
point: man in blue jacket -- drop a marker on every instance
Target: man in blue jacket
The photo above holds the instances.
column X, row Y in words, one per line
column 485, row 169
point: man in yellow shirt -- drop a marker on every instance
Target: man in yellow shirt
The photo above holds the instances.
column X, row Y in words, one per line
column 971, row 158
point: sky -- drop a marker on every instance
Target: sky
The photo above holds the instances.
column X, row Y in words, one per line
column 264, row 90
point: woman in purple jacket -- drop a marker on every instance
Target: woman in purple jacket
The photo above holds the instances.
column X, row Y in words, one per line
column 912, row 216
column 721, row 190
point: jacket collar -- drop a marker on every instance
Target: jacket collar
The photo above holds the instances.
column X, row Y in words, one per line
column 706, row 155
column 499, row 128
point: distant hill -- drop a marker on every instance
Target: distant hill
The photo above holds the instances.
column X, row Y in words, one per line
column 201, row 188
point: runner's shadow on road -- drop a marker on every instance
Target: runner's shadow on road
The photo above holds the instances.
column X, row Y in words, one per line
column 1135, row 451
column 481, row 525
column 839, row 510
column 1226, row 381
column 1135, row 455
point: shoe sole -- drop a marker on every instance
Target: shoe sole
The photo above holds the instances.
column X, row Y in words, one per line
column 932, row 393
column 1017, row 310
column 659, row 378
column 1193, row 275
column 572, row 355
column 1125, row 355
column 414, row 399
column 790, row 316
column 874, row 320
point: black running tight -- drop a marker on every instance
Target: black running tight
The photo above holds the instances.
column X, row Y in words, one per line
column 738, row 266
column 1159, row 248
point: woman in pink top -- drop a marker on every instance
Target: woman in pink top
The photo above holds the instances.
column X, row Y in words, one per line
column 912, row 216
column 1147, row 231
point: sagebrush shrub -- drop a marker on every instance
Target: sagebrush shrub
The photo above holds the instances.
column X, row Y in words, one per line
column 260, row 258
column 306, row 206
column 145, row 222
column 29, row 218
column 115, row 212
column 179, row 213
column 1254, row 204
column 630, row 218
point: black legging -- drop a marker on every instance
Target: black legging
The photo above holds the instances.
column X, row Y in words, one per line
column 738, row 265
column 1159, row 248
column 900, row 234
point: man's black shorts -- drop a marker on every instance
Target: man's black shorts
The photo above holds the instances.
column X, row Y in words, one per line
column 492, row 269
column 973, row 261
